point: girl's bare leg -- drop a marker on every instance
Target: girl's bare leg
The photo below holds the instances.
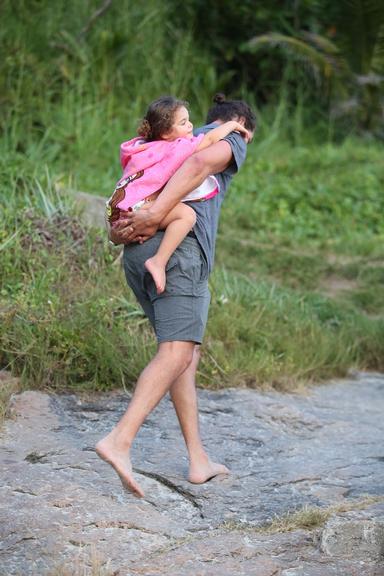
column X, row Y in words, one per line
column 177, row 224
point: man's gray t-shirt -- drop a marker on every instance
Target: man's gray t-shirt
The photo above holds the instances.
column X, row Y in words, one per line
column 208, row 211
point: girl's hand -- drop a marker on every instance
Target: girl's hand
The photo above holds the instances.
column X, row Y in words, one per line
column 243, row 131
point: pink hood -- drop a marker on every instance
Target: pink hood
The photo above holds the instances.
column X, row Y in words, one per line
column 159, row 160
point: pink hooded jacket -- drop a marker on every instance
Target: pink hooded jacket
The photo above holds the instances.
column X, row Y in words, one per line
column 158, row 159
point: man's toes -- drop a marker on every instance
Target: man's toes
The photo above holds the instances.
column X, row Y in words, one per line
column 131, row 486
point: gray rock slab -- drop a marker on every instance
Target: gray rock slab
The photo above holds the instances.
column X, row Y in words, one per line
column 91, row 207
column 355, row 534
column 62, row 506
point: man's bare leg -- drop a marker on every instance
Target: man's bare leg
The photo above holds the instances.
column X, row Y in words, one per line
column 171, row 360
column 184, row 398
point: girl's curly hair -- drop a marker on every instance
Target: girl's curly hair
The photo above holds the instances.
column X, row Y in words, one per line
column 159, row 117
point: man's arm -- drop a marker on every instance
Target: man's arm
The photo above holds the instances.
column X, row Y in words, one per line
column 141, row 225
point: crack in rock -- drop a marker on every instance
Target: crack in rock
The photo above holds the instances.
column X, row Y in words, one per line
column 42, row 457
column 295, row 481
column 21, row 491
column 378, row 458
column 215, row 411
column 36, row 458
column 62, row 504
column 24, row 539
column 73, row 467
column 78, row 544
column 122, row 525
column 187, row 495
column 286, row 469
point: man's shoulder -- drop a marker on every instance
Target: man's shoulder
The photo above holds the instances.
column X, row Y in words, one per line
column 205, row 128
column 235, row 140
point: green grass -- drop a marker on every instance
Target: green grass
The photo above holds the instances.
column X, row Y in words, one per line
column 63, row 322
column 8, row 386
column 305, row 217
column 302, row 214
column 264, row 334
column 306, row 518
column 68, row 320
column 68, row 97
column 89, row 562
column 327, row 195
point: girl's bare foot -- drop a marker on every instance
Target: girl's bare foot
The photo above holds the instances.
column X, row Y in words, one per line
column 157, row 271
column 200, row 473
column 121, row 463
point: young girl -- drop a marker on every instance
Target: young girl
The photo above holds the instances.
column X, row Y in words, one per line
column 165, row 140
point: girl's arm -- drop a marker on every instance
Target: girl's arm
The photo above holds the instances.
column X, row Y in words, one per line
column 221, row 132
column 141, row 225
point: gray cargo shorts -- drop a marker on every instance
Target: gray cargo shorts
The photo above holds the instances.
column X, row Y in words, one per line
column 180, row 313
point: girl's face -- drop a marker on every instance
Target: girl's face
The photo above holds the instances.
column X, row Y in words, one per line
column 181, row 127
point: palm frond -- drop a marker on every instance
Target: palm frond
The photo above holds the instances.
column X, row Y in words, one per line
column 329, row 49
column 321, row 63
column 321, row 42
column 377, row 62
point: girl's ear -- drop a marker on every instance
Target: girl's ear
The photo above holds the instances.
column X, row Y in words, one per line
column 165, row 136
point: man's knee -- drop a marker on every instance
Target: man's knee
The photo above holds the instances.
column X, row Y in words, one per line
column 196, row 354
column 179, row 354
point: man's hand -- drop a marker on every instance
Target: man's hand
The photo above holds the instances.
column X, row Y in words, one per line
column 143, row 224
column 134, row 227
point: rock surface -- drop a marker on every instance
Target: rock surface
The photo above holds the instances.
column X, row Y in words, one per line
column 91, row 206
column 64, row 512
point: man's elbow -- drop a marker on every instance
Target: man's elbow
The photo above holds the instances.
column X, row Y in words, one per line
column 197, row 165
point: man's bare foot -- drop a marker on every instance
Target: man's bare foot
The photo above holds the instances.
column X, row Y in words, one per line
column 120, row 461
column 157, row 271
column 198, row 474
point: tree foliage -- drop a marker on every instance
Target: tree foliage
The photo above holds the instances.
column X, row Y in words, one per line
column 331, row 51
column 337, row 45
